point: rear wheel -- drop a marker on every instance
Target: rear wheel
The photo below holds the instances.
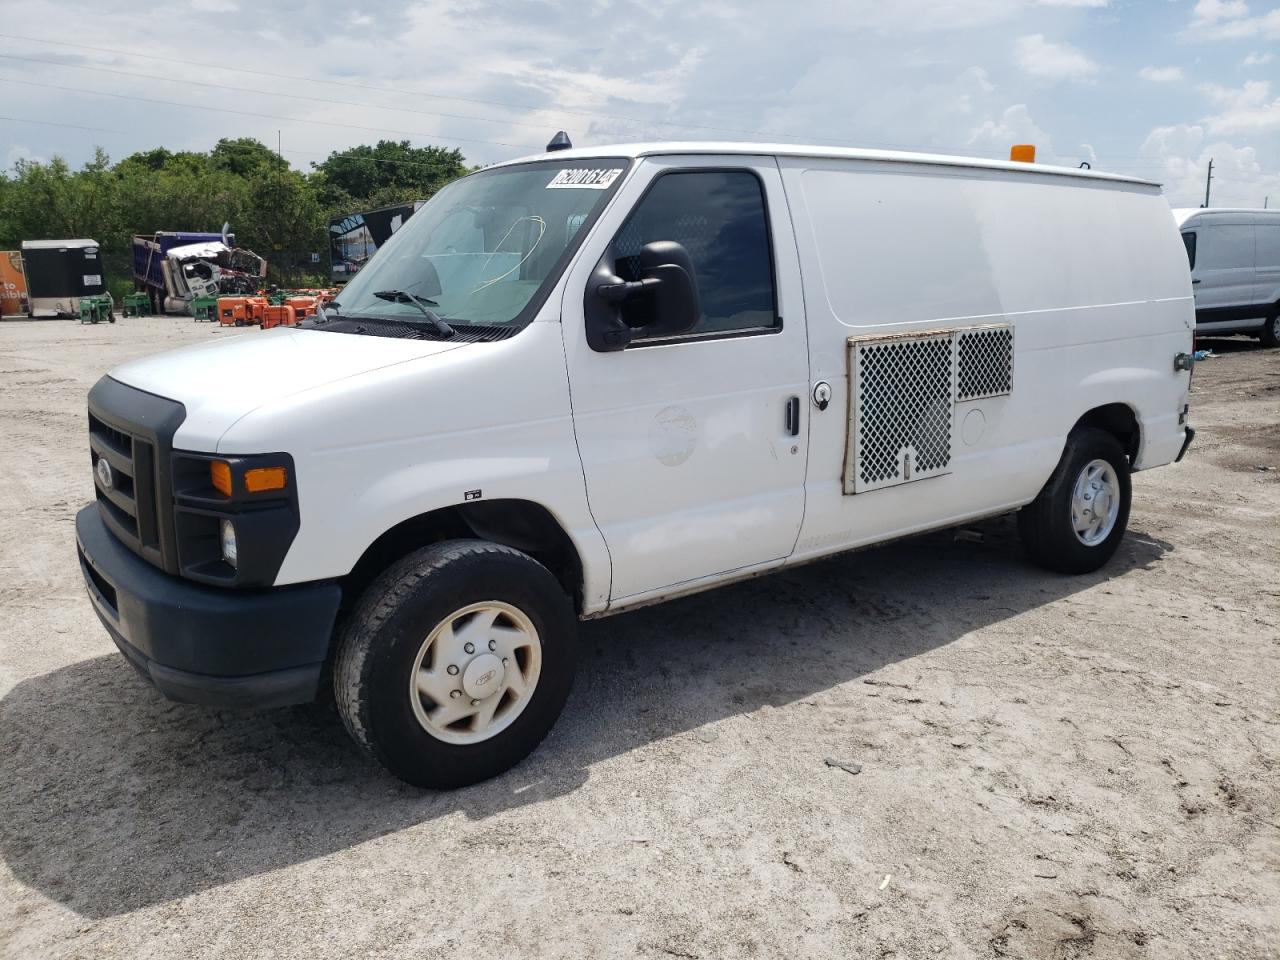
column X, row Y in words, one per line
column 1270, row 335
column 1077, row 521
column 456, row 663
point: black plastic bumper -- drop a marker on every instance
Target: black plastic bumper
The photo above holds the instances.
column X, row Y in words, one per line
column 209, row 645
column 1191, row 435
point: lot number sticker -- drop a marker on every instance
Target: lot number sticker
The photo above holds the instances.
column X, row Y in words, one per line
column 583, row 179
column 92, row 279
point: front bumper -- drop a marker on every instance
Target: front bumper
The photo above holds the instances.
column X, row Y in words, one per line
column 208, row 645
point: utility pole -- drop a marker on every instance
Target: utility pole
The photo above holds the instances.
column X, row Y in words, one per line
column 1207, row 179
column 280, row 153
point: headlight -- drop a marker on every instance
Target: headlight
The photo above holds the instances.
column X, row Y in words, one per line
column 228, row 531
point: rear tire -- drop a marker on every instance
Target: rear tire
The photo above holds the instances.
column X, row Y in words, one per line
column 423, row 639
column 1077, row 521
column 1270, row 335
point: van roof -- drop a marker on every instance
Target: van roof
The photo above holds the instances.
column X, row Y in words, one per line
column 634, row 150
column 1183, row 214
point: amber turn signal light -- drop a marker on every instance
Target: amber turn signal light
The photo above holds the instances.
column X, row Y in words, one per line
column 262, row 479
column 220, row 476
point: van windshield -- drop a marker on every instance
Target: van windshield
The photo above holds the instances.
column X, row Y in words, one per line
column 486, row 248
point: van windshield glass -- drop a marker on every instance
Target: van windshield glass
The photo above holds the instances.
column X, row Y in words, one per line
column 483, row 248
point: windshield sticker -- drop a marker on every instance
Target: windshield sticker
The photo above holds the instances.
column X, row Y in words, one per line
column 583, row 179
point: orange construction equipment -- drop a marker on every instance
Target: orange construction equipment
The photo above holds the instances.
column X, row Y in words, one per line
column 303, row 306
column 231, row 311
column 240, row 311
column 278, row 316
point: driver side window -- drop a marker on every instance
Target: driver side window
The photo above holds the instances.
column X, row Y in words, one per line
column 719, row 217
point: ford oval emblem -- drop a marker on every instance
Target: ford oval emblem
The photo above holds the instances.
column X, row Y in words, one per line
column 485, row 677
column 103, row 470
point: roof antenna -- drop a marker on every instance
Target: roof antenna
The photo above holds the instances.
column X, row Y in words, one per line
column 560, row 141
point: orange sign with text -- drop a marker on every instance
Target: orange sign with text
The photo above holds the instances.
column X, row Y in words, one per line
column 13, row 284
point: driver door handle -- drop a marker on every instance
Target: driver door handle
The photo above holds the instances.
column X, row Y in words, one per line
column 793, row 416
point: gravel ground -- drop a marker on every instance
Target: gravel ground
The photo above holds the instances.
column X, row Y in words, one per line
column 1050, row 767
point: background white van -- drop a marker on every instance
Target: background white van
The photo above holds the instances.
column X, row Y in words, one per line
column 1235, row 270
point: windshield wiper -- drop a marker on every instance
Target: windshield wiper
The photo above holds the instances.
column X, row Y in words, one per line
column 404, row 296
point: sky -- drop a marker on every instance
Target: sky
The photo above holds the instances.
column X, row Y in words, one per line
column 1150, row 88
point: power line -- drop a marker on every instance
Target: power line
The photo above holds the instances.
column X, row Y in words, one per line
column 760, row 134
column 505, row 105
column 52, row 123
column 296, row 152
column 274, row 93
column 265, row 116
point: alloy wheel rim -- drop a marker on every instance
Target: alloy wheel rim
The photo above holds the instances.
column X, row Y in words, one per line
column 1095, row 502
column 475, row 672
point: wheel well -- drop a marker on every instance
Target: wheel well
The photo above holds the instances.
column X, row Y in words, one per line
column 1119, row 420
column 521, row 524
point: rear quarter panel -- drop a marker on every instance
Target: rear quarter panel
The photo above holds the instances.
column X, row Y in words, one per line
column 1092, row 275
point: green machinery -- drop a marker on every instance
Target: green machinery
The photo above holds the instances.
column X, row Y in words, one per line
column 97, row 308
column 136, row 304
column 204, row 308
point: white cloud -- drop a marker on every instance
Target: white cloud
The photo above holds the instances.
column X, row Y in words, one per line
column 1161, row 74
column 1182, row 154
column 1072, row 3
column 1248, row 109
column 21, row 152
column 1052, row 61
column 1211, row 11
column 1230, row 20
column 1257, row 59
column 1014, row 126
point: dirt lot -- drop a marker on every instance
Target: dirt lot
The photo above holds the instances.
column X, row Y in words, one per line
column 1051, row 767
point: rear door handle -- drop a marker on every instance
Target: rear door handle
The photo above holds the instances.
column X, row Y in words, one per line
column 1195, row 281
column 793, row 416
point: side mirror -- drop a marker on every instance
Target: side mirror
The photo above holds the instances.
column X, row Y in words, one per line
column 662, row 303
column 673, row 307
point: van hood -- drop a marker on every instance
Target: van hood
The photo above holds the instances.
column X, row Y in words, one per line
column 221, row 382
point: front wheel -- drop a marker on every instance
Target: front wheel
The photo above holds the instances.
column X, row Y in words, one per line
column 456, row 663
column 1270, row 335
column 1077, row 521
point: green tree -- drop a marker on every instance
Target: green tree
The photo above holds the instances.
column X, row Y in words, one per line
column 274, row 210
column 385, row 173
column 245, row 157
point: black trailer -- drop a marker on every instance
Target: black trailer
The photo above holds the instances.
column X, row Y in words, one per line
column 59, row 273
column 354, row 238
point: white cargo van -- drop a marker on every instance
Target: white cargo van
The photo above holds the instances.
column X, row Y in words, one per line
column 595, row 379
column 1235, row 269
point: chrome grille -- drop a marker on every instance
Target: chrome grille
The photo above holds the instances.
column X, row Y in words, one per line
column 128, row 500
column 132, row 432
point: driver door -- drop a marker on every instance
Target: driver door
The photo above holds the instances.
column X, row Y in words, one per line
column 694, row 446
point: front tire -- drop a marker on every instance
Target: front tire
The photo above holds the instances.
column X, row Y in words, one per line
column 1079, row 518
column 427, row 642
column 1270, row 335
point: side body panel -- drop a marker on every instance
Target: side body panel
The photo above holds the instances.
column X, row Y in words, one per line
column 691, row 470
column 1091, row 277
column 488, row 421
column 1225, row 275
column 1267, row 244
